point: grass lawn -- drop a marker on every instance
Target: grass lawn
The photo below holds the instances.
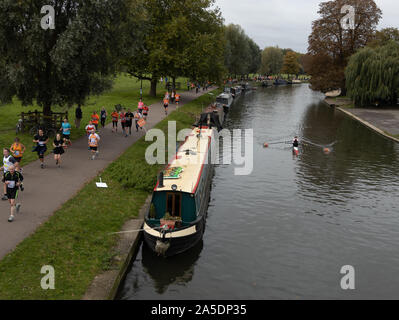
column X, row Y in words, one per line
column 126, row 91
column 76, row 240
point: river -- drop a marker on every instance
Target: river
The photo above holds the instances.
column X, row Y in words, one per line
column 286, row 230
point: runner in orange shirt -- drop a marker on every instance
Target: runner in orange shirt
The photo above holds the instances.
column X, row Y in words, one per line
column 166, row 105
column 95, row 119
column 177, row 97
column 115, row 118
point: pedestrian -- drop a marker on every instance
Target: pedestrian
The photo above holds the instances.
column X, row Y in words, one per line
column 140, row 106
column 145, row 112
column 188, row 86
column 166, row 105
column 13, row 181
column 123, row 121
column 59, row 143
column 115, row 118
column 177, row 97
column 95, row 119
column 66, row 132
column 129, row 121
column 197, row 88
column 17, row 149
column 8, row 161
column 103, row 117
column 90, row 127
column 172, row 96
column 78, row 116
column 41, row 139
column 137, row 117
column 94, row 140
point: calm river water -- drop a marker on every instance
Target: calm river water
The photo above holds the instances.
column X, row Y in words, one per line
column 286, row 230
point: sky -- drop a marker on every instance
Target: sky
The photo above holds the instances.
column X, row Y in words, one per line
column 287, row 23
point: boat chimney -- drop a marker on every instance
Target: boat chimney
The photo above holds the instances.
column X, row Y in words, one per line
column 161, row 185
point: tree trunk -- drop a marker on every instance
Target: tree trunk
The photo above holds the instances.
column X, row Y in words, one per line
column 174, row 83
column 153, row 89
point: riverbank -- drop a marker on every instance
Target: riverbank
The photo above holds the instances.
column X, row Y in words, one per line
column 383, row 121
column 76, row 239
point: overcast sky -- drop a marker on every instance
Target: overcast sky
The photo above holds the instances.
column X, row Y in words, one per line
column 287, row 23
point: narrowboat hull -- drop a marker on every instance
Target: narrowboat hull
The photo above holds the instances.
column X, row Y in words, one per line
column 174, row 242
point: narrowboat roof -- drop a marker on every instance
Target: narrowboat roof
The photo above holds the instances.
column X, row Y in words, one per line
column 185, row 170
column 225, row 95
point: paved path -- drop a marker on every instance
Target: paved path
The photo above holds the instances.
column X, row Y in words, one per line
column 46, row 190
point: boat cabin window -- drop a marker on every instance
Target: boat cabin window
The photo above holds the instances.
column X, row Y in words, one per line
column 222, row 100
column 173, row 204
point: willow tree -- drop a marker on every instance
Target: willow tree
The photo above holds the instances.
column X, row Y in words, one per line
column 372, row 75
column 331, row 44
column 61, row 65
column 291, row 63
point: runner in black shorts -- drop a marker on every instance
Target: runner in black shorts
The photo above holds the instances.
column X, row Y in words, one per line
column 41, row 139
column 129, row 120
column 13, row 180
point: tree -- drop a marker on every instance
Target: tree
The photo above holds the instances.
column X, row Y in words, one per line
column 255, row 56
column 291, row 64
column 384, row 36
column 372, row 75
column 330, row 45
column 64, row 65
column 178, row 39
column 272, row 60
column 237, row 51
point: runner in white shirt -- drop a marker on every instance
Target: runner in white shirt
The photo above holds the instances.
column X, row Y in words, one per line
column 8, row 161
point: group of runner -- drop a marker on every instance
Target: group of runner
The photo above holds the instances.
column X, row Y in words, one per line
column 171, row 97
column 12, row 157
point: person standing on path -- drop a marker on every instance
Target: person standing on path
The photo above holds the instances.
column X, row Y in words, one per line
column 8, row 161
column 17, row 149
column 58, row 145
column 129, row 121
column 41, row 139
column 115, row 119
column 166, row 105
column 94, row 140
column 78, row 116
column 95, row 119
column 13, row 180
column 66, row 132
column 103, row 117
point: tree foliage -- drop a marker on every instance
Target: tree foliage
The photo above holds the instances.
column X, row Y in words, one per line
column 291, row 63
column 272, row 60
column 330, row 46
column 384, row 36
column 178, row 38
column 372, row 75
column 65, row 65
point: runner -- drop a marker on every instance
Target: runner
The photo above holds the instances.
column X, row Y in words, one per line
column 58, row 144
column 177, row 99
column 172, row 96
column 17, row 149
column 103, row 117
column 145, row 112
column 13, row 180
column 95, row 119
column 123, row 121
column 66, row 132
column 90, row 127
column 8, row 161
column 94, row 140
column 115, row 118
column 78, row 116
column 137, row 117
column 41, row 139
column 166, row 105
column 129, row 121
column 141, row 106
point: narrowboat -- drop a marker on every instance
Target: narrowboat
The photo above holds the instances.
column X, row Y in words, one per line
column 280, row 82
column 235, row 92
column 176, row 219
column 225, row 100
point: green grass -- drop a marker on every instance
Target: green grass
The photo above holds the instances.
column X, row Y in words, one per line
column 126, row 91
column 76, row 240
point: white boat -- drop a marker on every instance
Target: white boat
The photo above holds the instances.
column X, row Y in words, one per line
column 225, row 100
column 333, row 94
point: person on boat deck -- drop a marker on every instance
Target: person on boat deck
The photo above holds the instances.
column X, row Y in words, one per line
column 295, row 143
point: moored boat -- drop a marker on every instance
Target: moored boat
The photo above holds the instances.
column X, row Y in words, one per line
column 176, row 219
column 225, row 100
column 279, row 82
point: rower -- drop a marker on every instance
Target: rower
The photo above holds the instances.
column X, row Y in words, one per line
column 295, row 142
